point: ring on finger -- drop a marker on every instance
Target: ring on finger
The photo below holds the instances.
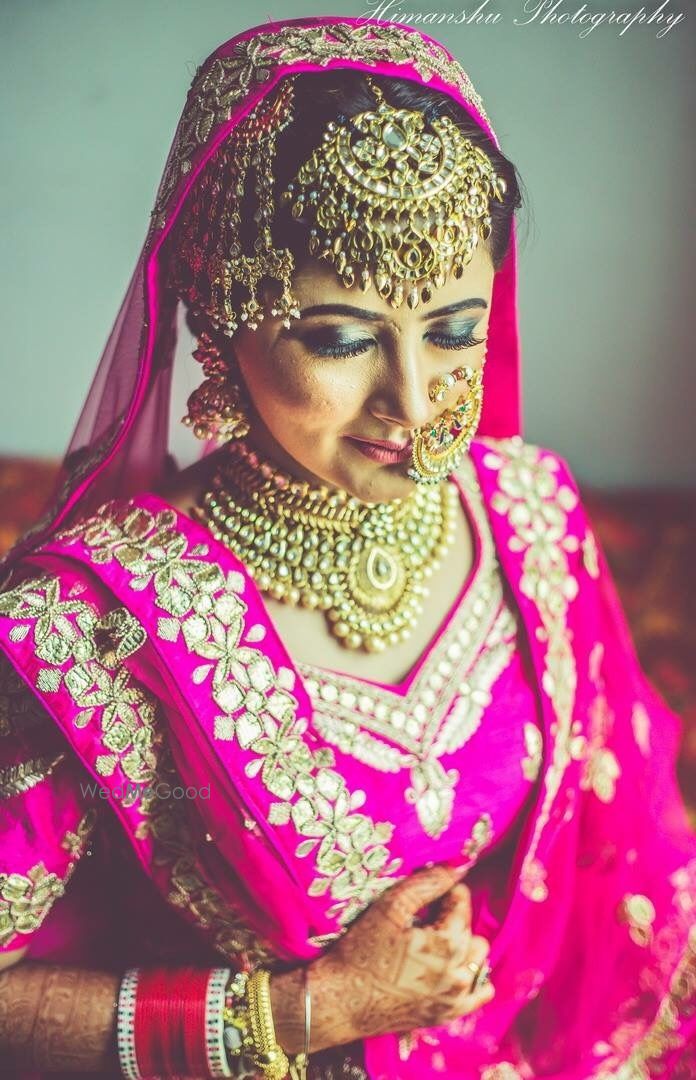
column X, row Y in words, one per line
column 481, row 974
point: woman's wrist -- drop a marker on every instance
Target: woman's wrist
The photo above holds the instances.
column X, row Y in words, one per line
column 329, row 1027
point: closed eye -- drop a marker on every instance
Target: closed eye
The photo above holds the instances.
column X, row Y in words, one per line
column 322, row 346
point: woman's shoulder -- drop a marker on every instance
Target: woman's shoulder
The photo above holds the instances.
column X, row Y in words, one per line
column 524, row 468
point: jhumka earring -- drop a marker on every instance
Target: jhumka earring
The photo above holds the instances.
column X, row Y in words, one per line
column 217, row 408
column 439, row 448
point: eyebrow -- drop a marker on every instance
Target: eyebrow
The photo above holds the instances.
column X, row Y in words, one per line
column 373, row 316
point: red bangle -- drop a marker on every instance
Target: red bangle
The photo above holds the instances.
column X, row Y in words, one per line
column 169, row 1022
column 193, row 1026
column 150, row 1012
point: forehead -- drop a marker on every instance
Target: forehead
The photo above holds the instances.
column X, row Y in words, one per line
column 316, row 282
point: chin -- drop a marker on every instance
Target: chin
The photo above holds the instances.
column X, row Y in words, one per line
column 383, row 484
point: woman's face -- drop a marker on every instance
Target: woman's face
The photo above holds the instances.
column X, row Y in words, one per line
column 353, row 369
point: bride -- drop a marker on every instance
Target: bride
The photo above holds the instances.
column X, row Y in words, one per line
column 329, row 753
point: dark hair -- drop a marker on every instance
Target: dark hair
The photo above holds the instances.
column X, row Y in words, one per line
column 322, row 97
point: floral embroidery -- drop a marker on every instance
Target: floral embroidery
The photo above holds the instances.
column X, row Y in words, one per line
column 536, row 506
column 639, row 912
column 24, row 775
column 481, row 836
column 26, row 899
column 673, row 950
column 640, row 722
column 218, row 88
column 257, row 708
column 600, row 768
column 19, row 710
column 503, row 1070
column 132, row 731
column 534, row 742
column 590, row 554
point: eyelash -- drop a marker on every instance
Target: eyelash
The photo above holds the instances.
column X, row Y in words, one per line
column 443, row 341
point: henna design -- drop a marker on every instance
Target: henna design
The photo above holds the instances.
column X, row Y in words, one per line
column 387, row 975
column 58, row 1018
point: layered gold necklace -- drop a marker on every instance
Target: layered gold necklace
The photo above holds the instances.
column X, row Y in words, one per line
column 364, row 565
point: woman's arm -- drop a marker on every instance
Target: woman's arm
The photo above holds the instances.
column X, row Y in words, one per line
column 60, row 1018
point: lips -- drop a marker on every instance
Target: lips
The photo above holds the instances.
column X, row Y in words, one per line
column 387, row 453
column 395, row 446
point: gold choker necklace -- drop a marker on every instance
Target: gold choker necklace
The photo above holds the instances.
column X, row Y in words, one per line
column 363, row 564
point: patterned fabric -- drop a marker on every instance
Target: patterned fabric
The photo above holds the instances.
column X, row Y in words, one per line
column 153, row 652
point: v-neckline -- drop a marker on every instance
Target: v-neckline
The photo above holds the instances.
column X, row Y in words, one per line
column 305, row 672
column 404, row 685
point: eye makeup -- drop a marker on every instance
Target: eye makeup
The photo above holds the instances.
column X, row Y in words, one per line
column 335, row 342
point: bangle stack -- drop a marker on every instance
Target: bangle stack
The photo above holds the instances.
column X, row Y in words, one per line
column 202, row 1022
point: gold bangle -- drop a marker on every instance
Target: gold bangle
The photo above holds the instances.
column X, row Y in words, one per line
column 268, row 1055
column 300, row 1062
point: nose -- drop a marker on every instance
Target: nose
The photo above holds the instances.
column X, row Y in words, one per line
column 400, row 397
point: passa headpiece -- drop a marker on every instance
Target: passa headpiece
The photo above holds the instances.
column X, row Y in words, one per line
column 389, row 197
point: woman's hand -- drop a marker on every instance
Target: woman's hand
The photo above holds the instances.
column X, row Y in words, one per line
column 387, row 975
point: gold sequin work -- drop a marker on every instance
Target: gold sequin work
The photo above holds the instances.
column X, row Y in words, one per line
column 222, row 84
column 84, row 651
column 256, row 706
column 536, row 506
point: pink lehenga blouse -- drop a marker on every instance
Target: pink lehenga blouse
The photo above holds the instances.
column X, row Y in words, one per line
column 151, row 660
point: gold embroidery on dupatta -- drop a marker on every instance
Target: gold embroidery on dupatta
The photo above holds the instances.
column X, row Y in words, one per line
column 590, row 557
column 503, row 1070
column 218, row 88
column 132, row 732
column 536, row 507
column 601, row 768
column 24, row 775
column 19, row 708
column 26, row 899
column 641, row 1059
column 534, row 742
column 640, row 722
column 638, row 911
column 481, row 836
column 257, row 708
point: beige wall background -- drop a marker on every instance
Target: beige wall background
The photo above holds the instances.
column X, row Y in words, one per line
column 600, row 128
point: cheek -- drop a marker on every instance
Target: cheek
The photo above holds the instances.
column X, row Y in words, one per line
column 305, row 388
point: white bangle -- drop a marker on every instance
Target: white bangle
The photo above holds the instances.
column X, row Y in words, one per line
column 125, row 1025
column 216, row 1054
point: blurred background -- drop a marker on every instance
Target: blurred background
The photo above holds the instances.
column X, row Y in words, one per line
column 600, row 129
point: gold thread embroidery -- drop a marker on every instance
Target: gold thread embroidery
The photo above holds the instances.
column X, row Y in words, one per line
column 590, row 557
column 601, row 768
column 534, row 742
column 631, row 1059
column 640, row 722
column 256, row 706
column 24, row 775
column 638, row 911
column 536, row 507
column 132, row 730
column 221, row 86
column 26, row 899
column 19, row 709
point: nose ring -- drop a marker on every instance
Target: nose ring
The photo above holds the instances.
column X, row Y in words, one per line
column 446, row 382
